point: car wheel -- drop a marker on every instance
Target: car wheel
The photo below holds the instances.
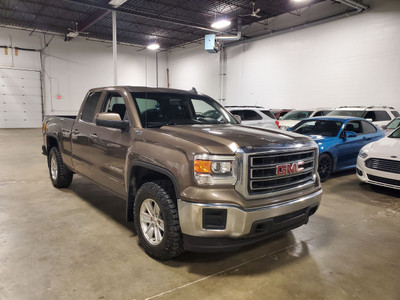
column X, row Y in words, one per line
column 60, row 175
column 324, row 166
column 157, row 221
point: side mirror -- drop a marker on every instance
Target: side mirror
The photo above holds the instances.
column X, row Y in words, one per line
column 111, row 120
column 238, row 118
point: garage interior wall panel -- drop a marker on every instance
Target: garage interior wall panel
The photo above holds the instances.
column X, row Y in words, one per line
column 194, row 67
column 72, row 68
column 20, row 99
column 350, row 61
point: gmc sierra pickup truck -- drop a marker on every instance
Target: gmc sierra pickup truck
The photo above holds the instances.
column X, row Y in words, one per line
column 194, row 178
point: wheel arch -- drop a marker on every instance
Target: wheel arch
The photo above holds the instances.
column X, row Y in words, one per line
column 142, row 172
column 333, row 158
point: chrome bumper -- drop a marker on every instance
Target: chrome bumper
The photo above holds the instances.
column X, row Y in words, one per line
column 239, row 221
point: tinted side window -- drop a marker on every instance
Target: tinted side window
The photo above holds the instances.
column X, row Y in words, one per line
column 368, row 128
column 395, row 113
column 354, row 126
column 319, row 113
column 325, row 112
column 89, row 110
column 370, row 115
column 382, row 115
column 115, row 103
column 251, row 115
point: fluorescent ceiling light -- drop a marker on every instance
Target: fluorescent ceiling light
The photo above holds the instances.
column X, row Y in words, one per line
column 116, row 3
column 153, row 46
column 221, row 24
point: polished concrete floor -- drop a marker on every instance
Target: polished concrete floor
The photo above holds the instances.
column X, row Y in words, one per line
column 75, row 244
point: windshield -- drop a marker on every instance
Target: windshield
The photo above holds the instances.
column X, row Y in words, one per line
column 318, row 127
column 394, row 124
column 297, row 115
column 349, row 113
column 161, row 109
column 395, row 134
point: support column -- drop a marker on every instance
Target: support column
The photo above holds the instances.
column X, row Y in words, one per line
column 114, row 43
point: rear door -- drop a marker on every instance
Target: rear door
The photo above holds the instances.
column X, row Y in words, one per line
column 82, row 143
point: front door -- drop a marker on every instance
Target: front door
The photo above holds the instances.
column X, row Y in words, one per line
column 111, row 146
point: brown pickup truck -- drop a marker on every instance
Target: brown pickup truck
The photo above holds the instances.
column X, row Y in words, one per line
column 194, row 178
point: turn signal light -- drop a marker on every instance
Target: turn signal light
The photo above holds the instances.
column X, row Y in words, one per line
column 202, row 166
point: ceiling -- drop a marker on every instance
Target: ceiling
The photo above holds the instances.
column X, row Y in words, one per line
column 171, row 23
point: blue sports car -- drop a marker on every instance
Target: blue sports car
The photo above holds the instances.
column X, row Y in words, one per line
column 339, row 140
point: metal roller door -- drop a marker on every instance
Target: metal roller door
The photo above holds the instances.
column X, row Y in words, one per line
column 20, row 99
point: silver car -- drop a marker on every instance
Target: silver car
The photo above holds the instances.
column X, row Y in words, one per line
column 256, row 116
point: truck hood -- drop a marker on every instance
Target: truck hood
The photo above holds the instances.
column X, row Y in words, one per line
column 226, row 139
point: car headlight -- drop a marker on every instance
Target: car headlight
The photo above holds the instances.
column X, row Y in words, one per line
column 363, row 154
column 215, row 169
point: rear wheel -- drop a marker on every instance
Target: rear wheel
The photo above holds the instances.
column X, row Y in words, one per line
column 324, row 166
column 60, row 175
column 157, row 221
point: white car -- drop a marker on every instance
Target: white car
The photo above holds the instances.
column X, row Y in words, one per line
column 295, row 116
column 379, row 115
column 379, row 162
column 254, row 116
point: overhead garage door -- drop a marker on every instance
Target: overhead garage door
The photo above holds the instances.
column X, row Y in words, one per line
column 20, row 99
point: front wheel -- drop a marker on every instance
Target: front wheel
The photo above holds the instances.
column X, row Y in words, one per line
column 60, row 175
column 324, row 166
column 157, row 221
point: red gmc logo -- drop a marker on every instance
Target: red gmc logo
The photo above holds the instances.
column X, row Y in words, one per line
column 289, row 168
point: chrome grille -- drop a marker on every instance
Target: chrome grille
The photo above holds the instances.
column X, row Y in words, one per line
column 263, row 178
column 386, row 165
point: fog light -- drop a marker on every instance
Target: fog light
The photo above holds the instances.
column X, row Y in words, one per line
column 359, row 172
column 214, row 218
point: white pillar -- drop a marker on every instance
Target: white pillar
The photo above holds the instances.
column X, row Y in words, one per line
column 114, row 43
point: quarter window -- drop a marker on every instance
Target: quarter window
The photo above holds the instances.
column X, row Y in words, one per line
column 395, row 113
column 368, row 128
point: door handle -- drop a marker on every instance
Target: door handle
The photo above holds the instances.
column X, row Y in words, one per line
column 76, row 131
column 94, row 136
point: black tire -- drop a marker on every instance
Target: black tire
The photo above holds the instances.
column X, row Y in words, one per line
column 325, row 166
column 169, row 243
column 60, row 175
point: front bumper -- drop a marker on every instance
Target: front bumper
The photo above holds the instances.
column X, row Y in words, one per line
column 243, row 225
column 376, row 177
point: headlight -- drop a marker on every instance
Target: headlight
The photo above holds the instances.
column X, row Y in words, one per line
column 362, row 154
column 215, row 169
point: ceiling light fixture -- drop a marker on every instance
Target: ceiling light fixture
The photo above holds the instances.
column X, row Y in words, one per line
column 116, row 3
column 153, row 46
column 221, row 24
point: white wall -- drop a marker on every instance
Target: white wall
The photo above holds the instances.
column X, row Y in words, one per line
column 351, row 61
column 72, row 68
column 194, row 67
